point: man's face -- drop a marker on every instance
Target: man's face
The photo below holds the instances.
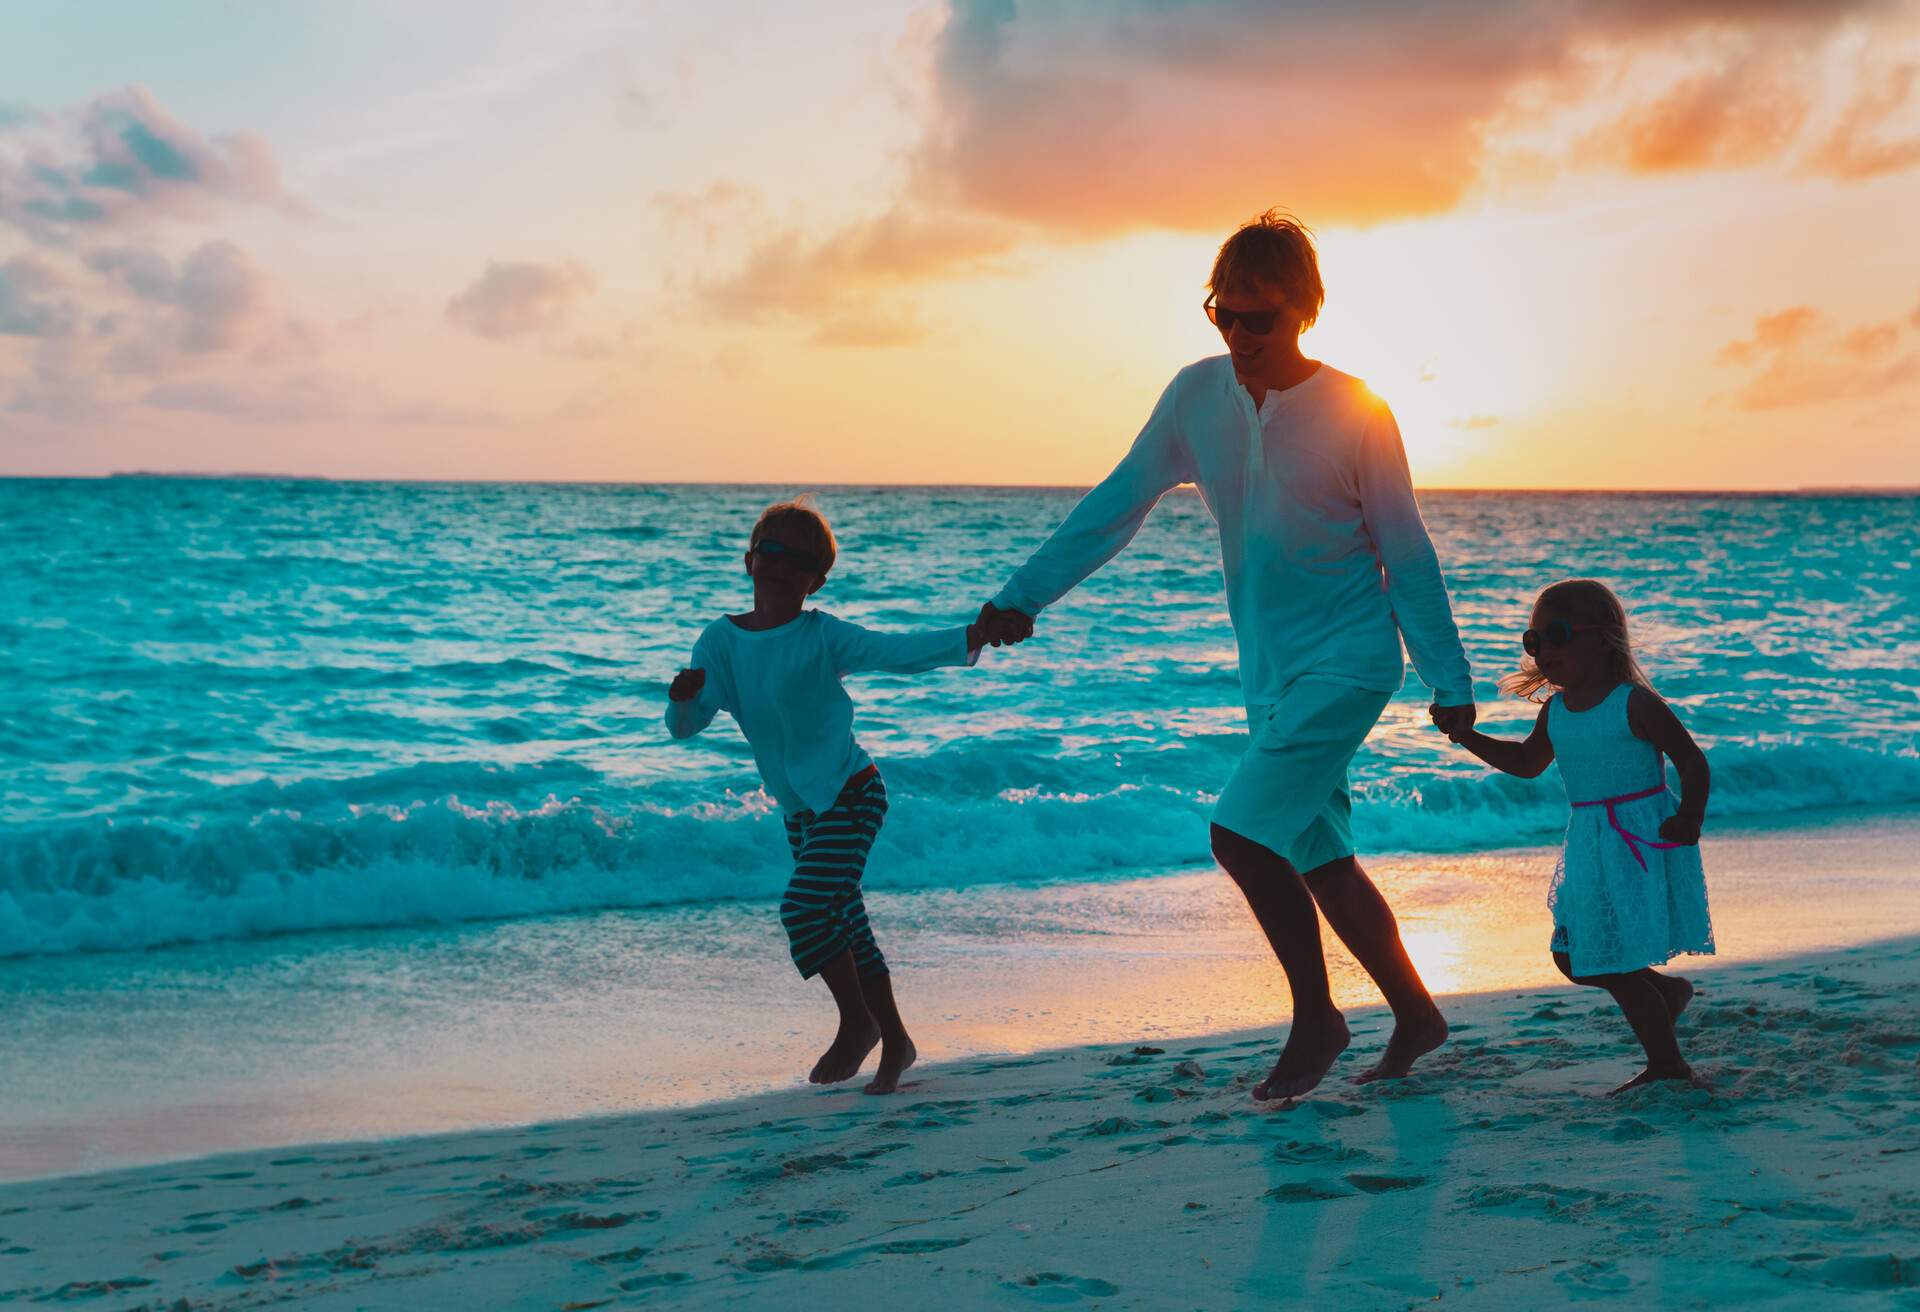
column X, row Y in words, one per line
column 1248, row 348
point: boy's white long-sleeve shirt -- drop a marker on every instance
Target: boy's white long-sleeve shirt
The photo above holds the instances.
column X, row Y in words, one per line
column 1328, row 563
column 782, row 686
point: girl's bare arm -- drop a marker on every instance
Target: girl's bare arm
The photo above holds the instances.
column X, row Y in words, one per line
column 1652, row 720
column 1526, row 758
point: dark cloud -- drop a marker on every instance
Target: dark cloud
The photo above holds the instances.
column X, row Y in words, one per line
column 122, row 159
column 517, row 299
column 24, row 309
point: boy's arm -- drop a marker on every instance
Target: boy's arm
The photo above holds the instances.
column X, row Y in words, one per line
column 855, row 649
column 1106, row 518
column 691, row 704
column 1526, row 758
column 1652, row 720
column 1415, row 587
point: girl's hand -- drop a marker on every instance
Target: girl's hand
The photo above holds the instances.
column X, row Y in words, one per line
column 1683, row 829
column 687, row 685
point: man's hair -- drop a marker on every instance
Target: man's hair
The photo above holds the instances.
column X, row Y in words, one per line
column 797, row 524
column 1276, row 249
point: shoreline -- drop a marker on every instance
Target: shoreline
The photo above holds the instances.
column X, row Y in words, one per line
column 124, row 1060
column 1000, row 1176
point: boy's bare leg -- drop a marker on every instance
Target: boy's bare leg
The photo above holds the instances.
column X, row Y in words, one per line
column 896, row 1048
column 858, row 1032
column 1365, row 923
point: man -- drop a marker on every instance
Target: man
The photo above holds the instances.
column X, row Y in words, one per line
column 1328, row 567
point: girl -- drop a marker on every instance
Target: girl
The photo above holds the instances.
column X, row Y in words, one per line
column 1628, row 892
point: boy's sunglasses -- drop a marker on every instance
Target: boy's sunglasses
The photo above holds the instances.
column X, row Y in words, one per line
column 1257, row 322
column 804, row 561
column 1557, row 634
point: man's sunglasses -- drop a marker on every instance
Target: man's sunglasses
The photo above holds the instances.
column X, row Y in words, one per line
column 1557, row 634
column 804, row 561
column 1257, row 322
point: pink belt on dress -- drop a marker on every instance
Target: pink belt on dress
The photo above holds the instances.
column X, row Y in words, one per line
column 1634, row 841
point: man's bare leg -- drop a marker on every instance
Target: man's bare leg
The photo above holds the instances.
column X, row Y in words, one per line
column 1280, row 902
column 858, row 1032
column 1366, row 924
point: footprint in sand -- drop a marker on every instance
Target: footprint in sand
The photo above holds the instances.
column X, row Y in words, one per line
column 1053, row 1287
column 654, row 1281
column 1385, row 1184
column 1308, row 1191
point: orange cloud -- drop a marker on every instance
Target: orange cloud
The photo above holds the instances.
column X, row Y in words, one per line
column 1800, row 365
column 1099, row 116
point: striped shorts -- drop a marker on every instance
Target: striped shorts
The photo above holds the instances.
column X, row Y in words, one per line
column 823, row 912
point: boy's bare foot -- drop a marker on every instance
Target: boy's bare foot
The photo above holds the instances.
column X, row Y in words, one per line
column 1312, row 1048
column 1655, row 1074
column 843, row 1058
column 894, row 1059
column 1409, row 1042
column 1676, row 992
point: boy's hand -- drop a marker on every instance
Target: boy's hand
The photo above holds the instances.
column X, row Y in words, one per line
column 1682, row 829
column 687, row 685
column 1003, row 626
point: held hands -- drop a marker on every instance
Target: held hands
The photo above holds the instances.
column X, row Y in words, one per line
column 687, row 685
column 1456, row 722
column 1681, row 828
column 1000, row 627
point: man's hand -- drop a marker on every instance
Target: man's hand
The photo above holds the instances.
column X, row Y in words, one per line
column 1456, row 722
column 1682, row 828
column 1004, row 626
column 687, row 685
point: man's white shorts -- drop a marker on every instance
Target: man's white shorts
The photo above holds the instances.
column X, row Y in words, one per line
column 1289, row 792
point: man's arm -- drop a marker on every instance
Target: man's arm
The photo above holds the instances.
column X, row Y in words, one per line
column 1415, row 588
column 1102, row 523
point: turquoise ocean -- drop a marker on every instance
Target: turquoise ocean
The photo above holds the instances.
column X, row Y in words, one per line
column 240, row 708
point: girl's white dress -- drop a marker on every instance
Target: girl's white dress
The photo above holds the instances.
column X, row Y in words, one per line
column 1621, row 897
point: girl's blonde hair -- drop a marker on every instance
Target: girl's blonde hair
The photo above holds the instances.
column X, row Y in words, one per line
column 1582, row 601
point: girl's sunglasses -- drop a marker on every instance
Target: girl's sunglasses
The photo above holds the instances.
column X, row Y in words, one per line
column 1257, row 322
column 1557, row 634
column 804, row 561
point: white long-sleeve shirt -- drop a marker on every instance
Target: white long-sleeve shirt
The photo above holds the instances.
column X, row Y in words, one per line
column 782, row 686
column 1328, row 564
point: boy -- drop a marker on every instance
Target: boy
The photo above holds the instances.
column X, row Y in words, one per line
column 776, row 670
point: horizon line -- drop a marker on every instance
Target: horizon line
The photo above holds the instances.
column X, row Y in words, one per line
column 1830, row 489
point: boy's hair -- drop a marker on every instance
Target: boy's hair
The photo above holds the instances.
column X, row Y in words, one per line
column 1582, row 601
column 796, row 523
column 1277, row 249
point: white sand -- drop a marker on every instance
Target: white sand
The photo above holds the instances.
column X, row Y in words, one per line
column 1497, row 1177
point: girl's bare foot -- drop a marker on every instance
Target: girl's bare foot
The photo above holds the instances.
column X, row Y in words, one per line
column 1655, row 1074
column 895, row 1057
column 1410, row 1041
column 1312, row 1048
column 1676, row 992
column 843, row 1058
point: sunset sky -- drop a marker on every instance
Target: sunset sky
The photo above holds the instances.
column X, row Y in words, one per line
column 1573, row 244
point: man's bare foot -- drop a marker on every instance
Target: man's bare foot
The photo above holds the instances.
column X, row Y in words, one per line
column 894, row 1060
column 1409, row 1042
column 843, row 1058
column 1653, row 1075
column 1676, row 992
column 1312, row 1048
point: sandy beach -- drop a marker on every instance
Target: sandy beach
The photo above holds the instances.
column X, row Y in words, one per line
column 1118, row 1175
